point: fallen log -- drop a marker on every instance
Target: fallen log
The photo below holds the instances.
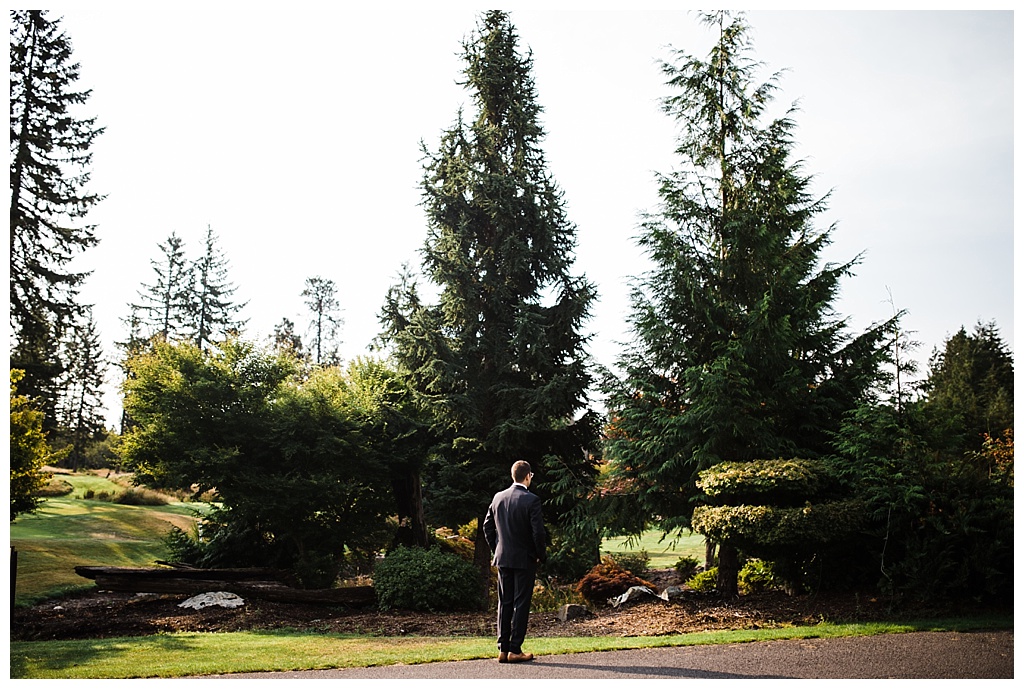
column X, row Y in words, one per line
column 194, row 581
column 222, row 574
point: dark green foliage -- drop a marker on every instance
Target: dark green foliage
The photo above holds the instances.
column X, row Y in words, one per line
column 794, row 512
column 970, row 386
column 212, row 313
column 165, row 306
column 425, row 579
column 298, row 483
column 940, row 525
column 500, row 360
column 637, row 563
column 737, row 352
column 686, row 566
column 608, row 579
column 80, row 407
column 50, row 159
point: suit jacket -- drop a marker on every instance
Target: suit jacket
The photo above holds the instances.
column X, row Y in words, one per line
column 514, row 528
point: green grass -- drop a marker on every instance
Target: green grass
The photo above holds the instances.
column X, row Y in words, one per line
column 189, row 654
column 69, row 531
column 663, row 553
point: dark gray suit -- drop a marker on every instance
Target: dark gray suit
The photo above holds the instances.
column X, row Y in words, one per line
column 514, row 529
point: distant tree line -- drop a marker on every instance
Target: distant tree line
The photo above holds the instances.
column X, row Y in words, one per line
column 743, row 407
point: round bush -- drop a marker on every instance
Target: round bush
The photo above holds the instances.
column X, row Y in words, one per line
column 433, row 580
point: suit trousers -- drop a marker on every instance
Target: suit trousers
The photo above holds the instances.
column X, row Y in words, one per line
column 515, row 590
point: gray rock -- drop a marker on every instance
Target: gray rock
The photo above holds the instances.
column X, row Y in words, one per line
column 572, row 611
column 672, row 593
column 222, row 599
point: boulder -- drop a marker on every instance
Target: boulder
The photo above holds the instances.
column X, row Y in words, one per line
column 221, row 599
column 672, row 593
column 572, row 611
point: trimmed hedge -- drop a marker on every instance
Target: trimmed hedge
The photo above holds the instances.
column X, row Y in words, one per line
column 763, row 526
column 770, row 481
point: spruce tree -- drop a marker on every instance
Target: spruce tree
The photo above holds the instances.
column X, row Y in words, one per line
column 500, row 361
column 50, row 159
column 212, row 312
column 81, row 407
column 166, row 305
column 737, row 353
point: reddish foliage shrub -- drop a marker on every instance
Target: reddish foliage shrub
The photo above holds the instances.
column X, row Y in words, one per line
column 608, row 580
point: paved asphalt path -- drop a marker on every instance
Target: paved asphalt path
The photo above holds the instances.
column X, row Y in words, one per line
column 913, row 655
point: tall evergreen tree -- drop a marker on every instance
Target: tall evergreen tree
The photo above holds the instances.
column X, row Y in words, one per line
column 970, row 384
column 50, row 158
column 81, row 408
column 166, row 305
column 212, row 312
column 500, row 361
column 322, row 301
column 737, row 352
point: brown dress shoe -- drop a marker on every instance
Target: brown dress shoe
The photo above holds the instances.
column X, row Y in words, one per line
column 503, row 657
column 519, row 657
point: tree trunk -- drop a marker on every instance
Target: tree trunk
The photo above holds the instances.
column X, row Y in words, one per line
column 482, row 559
column 709, row 553
column 412, row 526
column 728, row 571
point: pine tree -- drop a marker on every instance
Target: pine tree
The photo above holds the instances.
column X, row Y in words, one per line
column 81, row 408
column 50, row 158
column 500, row 361
column 737, row 352
column 322, row 301
column 166, row 305
column 212, row 313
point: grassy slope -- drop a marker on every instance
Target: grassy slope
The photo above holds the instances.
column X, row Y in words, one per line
column 70, row 531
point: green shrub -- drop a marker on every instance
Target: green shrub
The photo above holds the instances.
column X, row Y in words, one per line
column 433, row 580
column 756, row 576
column 704, row 582
column 455, row 543
column 637, row 563
column 686, row 566
column 549, row 596
column 607, row 580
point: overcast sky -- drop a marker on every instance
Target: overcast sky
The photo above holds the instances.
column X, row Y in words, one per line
column 295, row 134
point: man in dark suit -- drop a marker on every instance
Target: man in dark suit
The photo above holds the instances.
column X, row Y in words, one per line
column 514, row 529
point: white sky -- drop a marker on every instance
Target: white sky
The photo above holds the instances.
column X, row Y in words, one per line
column 294, row 132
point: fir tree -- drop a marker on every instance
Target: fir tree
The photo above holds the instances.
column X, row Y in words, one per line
column 212, row 313
column 500, row 360
column 81, row 408
column 166, row 305
column 737, row 353
column 50, row 158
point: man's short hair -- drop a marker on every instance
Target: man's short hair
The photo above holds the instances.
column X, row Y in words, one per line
column 520, row 470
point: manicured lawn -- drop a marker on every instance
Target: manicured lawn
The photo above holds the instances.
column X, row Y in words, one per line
column 70, row 531
column 663, row 553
